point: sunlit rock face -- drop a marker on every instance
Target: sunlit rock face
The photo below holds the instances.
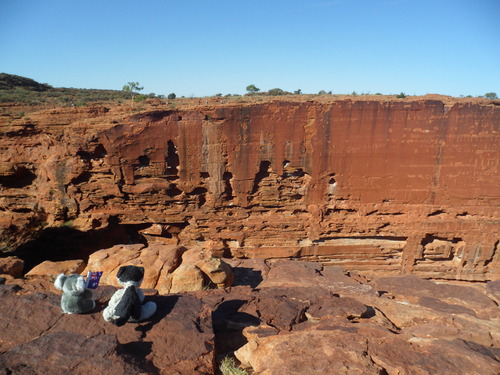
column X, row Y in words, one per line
column 378, row 186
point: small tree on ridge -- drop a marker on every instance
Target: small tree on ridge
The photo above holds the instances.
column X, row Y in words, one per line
column 252, row 89
column 132, row 88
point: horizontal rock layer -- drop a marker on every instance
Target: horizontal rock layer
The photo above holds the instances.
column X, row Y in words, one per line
column 377, row 186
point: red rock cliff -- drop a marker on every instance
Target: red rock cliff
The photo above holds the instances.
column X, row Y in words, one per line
column 376, row 186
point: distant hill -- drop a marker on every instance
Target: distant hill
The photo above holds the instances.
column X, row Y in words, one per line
column 11, row 81
column 22, row 90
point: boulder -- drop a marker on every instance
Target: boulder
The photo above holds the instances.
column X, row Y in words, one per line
column 50, row 270
column 158, row 261
column 366, row 349
column 168, row 268
column 201, row 263
column 12, row 266
column 186, row 278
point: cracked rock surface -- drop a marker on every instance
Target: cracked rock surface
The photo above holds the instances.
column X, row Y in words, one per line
column 333, row 323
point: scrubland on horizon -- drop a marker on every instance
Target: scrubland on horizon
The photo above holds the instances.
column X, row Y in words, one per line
column 23, row 90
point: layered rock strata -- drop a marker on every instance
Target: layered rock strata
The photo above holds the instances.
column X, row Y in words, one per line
column 392, row 187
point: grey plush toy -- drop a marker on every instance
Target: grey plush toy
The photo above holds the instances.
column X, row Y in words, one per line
column 76, row 298
column 126, row 304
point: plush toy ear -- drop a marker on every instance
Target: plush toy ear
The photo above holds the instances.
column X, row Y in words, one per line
column 80, row 284
column 141, row 269
column 120, row 272
column 60, row 279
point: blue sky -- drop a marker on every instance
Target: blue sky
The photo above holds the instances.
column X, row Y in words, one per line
column 202, row 47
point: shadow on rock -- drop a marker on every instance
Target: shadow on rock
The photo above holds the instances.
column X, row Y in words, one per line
column 228, row 323
column 67, row 243
column 136, row 352
column 247, row 276
column 164, row 305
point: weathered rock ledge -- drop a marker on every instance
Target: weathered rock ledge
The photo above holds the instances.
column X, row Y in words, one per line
column 282, row 317
column 385, row 186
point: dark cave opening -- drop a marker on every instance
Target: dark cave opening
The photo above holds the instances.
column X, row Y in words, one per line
column 67, row 243
column 228, row 189
column 99, row 152
column 143, row 161
column 261, row 174
column 22, row 177
column 172, row 158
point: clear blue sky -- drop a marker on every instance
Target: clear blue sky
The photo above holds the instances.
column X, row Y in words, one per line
column 202, row 47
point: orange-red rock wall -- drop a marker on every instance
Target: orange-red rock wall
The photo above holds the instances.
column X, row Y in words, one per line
column 374, row 186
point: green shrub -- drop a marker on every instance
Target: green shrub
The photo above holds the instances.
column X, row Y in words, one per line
column 252, row 89
column 276, row 92
column 228, row 366
column 171, row 96
column 401, row 95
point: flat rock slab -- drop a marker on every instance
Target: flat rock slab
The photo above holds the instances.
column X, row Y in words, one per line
column 181, row 335
column 65, row 353
column 493, row 287
column 362, row 350
column 37, row 338
column 286, row 273
column 457, row 298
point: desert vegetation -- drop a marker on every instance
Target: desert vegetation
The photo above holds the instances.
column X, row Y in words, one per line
column 17, row 89
column 26, row 91
column 228, row 366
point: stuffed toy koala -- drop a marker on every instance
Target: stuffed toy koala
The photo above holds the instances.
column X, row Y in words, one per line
column 76, row 298
column 126, row 304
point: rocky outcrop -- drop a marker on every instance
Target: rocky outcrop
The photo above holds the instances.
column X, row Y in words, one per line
column 11, row 266
column 50, row 270
column 334, row 323
column 168, row 268
column 392, row 187
column 384, row 326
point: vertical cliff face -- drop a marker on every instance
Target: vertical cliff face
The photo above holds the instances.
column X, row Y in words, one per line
column 379, row 186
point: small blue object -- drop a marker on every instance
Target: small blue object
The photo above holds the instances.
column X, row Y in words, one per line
column 93, row 279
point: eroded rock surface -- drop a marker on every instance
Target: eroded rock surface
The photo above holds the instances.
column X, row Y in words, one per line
column 316, row 330
column 50, row 270
column 334, row 324
column 375, row 185
column 168, row 268
column 11, row 266
column 36, row 337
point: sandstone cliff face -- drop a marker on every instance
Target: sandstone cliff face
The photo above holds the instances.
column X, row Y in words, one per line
column 377, row 186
